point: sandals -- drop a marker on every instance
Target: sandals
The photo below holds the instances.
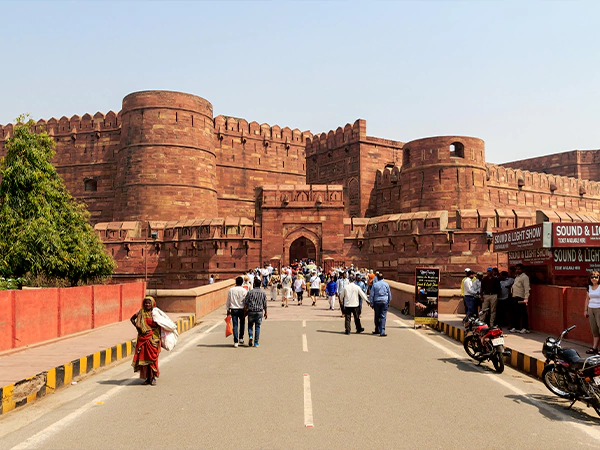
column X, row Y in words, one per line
column 592, row 351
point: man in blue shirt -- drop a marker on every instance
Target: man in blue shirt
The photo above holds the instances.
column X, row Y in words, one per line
column 380, row 299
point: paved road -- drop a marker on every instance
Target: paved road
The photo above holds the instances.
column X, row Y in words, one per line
column 413, row 389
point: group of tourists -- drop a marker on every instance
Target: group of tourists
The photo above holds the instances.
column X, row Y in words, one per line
column 505, row 296
column 348, row 286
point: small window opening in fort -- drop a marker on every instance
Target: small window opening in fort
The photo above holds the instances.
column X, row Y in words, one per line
column 457, row 150
column 90, row 185
column 192, row 121
column 176, row 117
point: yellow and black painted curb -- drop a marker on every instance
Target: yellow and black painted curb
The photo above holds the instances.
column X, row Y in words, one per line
column 28, row 390
column 520, row 361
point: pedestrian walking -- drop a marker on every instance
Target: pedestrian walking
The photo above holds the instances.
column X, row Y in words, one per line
column 235, row 308
column 331, row 290
column 286, row 287
column 315, row 287
column 380, row 299
column 148, row 321
column 351, row 297
column 299, row 287
column 592, row 310
column 520, row 293
column 256, row 304
column 274, row 284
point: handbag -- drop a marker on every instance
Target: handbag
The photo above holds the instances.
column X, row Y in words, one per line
column 228, row 326
column 279, row 286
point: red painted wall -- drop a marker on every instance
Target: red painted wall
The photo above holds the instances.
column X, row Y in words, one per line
column 554, row 308
column 36, row 313
column 107, row 305
column 76, row 310
column 31, row 316
column 131, row 296
column 7, row 324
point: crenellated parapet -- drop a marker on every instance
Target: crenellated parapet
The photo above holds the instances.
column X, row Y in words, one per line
column 349, row 134
column 244, row 130
column 302, row 196
column 543, row 183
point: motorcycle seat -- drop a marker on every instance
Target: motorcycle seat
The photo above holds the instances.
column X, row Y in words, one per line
column 572, row 357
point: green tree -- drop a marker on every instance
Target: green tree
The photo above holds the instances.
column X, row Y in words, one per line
column 44, row 231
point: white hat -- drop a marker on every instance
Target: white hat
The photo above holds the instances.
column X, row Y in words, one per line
column 467, row 270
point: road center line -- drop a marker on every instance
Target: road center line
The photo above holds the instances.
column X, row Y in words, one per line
column 593, row 433
column 304, row 343
column 304, row 324
column 308, row 413
column 37, row 439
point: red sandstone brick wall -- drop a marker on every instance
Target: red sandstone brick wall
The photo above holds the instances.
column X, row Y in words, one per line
column 250, row 155
column 576, row 164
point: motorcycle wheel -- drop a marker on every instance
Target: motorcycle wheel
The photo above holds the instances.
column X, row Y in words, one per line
column 555, row 381
column 473, row 347
column 498, row 361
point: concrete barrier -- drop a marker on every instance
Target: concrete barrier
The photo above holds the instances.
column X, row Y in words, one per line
column 200, row 300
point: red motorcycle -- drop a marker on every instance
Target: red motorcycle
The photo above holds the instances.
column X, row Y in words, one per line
column 483, row 342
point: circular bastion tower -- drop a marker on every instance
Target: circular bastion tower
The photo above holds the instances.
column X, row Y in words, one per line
column 443, row 173
column 166, row 165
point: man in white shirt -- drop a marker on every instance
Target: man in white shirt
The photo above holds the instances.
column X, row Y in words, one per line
column 315, row 286
column 235, row 308
column 469, row 299
column 350, row 298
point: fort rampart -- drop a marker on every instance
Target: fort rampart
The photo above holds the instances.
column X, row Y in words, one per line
column 178, row 194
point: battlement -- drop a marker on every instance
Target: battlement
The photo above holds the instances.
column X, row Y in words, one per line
column 240, row 127
column 302, row 195
column 582, row 164
column 351, row 133
column 71, row 126
column 524, row 180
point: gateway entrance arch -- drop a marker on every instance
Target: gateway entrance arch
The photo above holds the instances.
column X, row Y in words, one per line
column 301, row 244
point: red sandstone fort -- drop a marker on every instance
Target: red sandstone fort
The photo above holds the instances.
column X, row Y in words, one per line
column 177, row 194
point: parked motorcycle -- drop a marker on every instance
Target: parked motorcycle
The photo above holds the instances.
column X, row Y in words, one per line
column 483, row 342
column 570, row 376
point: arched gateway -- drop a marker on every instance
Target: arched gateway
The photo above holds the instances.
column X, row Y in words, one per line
column 302, row 248
column 301, row 243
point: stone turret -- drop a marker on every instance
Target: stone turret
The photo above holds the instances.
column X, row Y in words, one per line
column 443, row 173
column 166, row 164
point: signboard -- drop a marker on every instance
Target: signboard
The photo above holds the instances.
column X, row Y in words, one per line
column 576, row 235
column 427, row 295
column 561, row 261
column 530, row 257
column 534, row 236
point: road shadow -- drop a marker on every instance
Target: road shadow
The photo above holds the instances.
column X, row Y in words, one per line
column 331, row 331
column 547, row 403
column 217, row 345
column 466, row 366
column 123, row 382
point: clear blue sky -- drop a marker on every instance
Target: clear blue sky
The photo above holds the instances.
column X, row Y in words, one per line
column 522, row 75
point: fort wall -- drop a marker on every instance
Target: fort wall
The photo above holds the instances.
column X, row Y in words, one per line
column 348, row 157
column 251, row 155
column 584, row 164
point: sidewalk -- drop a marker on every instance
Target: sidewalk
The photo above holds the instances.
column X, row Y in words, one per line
column 33, row 371
column 526, row 349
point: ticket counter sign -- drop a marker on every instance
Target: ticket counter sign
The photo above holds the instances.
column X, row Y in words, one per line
column 534, row 236
column 427, row 295
column 576, row 235
column 561, row 261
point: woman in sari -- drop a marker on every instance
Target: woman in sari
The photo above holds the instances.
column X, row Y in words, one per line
column 147, row 347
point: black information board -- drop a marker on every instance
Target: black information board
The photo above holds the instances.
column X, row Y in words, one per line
column 427, row 295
